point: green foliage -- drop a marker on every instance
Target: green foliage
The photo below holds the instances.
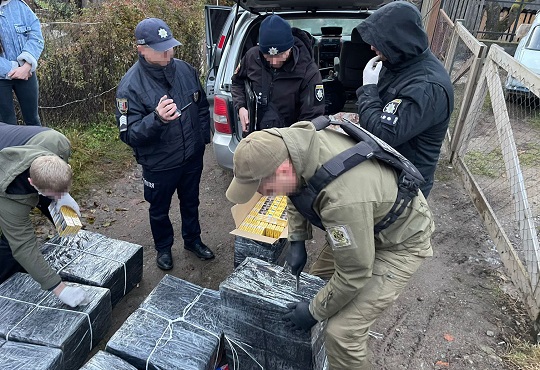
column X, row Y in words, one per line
column 97, row 153
column 58, row 9
column 85, row 59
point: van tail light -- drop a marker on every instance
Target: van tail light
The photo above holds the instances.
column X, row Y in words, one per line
column 221, row 42
column 221, row 116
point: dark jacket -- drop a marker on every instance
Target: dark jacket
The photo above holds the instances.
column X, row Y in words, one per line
column 294, row 91
column 410, row 107
column 161, row 146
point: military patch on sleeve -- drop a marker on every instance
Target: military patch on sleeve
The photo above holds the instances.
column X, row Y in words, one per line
column 122, row 105
column 389, row 119
column 319, row 92
column 392, row 106
column 237, row 69
column 123, row 123
column 338, row 237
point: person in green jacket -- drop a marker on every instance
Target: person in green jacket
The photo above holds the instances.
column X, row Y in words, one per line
column 33, row 173
column 365, row 271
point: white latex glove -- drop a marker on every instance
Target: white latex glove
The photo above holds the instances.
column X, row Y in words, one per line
column 371, row 71
column 74, row 296
column 67, row 200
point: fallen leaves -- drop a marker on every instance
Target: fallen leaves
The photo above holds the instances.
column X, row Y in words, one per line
column 442, row 363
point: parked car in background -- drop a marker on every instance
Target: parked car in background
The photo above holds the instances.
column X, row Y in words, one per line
column 528, row 54
column 231, row 31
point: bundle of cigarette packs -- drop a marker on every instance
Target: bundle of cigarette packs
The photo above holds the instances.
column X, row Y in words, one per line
column 65, row 219
column 268, row 217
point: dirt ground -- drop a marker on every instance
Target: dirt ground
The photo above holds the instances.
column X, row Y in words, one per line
column 454, row 314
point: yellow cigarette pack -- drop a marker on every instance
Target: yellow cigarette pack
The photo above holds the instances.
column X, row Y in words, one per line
column 267, row 218
column 66, row 220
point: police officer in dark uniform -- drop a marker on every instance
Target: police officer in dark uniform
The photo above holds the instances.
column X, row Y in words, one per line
column 409, row 104
column 283, row 75
column 163, row 114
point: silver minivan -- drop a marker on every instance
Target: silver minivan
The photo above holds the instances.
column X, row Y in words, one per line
column 231, row 31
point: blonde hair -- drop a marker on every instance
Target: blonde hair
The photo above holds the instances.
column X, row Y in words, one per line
column 50, row 172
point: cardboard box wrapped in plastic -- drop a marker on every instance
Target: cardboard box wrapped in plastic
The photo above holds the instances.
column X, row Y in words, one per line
column 32, row 315
column 106, row 361
column 17, row 356
column 254, row 299
column 178, row 326
column 273, row 253
column 93, row 259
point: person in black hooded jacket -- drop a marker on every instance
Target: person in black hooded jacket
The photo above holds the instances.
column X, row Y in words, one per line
column 407, row 96
column 283, row 76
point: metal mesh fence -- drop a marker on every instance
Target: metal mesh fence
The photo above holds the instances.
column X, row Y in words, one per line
column 441, row 36
column 502, row 153
column 495, row 144
column 460, row 73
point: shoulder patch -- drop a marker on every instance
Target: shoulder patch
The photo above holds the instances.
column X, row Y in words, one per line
column 389, row 119
column 122, row 105
column 122, row 126
column 319, row 92
column 339, row 237
column 392, row 106
column 237, row 69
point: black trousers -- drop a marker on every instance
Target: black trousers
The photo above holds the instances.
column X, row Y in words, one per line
column 159, row 187
column 8, row 264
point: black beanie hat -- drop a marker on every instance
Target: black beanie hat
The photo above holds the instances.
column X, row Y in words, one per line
column 275, row 35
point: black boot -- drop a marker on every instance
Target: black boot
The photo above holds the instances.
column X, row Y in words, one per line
column 164, row 260
column 200, row 250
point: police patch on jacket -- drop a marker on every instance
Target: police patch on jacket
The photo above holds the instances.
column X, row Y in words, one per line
column 319, row 92
column 388, row 115
column 392, row 106
column 339, row 237
column 122, row 105
column 196, row 96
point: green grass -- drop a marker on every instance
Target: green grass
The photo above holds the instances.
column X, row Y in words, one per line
column 490, row 164
column 535, row 121
column 485, row 164
column 530, row 155
column 97, row 154
column 487, row 104
column 523, row 356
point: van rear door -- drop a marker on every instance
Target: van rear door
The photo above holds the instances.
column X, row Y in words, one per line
column 218, row 20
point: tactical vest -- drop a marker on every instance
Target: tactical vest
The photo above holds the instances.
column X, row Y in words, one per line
column 369, row 146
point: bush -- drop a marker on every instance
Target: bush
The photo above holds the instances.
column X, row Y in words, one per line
column 84, row 59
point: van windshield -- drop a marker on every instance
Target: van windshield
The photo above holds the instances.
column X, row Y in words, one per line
column 313, row 26
column 534, row 41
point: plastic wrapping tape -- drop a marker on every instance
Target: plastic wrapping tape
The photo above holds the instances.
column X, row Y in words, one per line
column 17, row 356
column 178, row 326
column 35, row 316
column 93, row 259
column 106, row 361
column 244, row 247
column 253, row 300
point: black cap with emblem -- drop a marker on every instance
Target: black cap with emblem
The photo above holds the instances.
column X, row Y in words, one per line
column 155, row 33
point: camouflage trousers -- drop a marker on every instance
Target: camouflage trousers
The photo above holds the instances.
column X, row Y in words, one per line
column 347, row 331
